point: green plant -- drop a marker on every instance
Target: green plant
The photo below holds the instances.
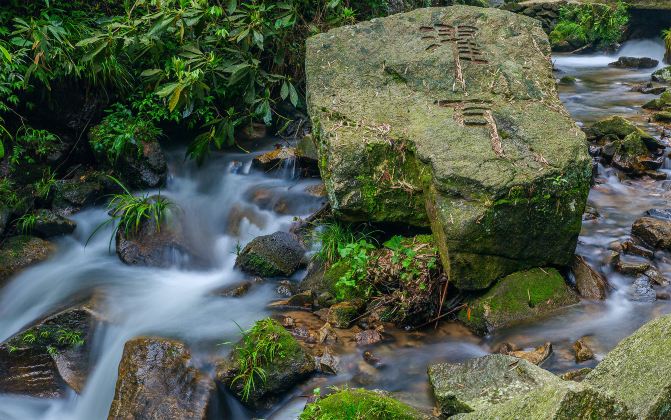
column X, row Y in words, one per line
column 45, row 184
column 8, row 195
column 50, row 337
column 31, row 144
column 122, row 133
column 258, row 348
column 666, row 36
column 356, row 256
column 593, row 24
column 26, row 223
column 128, row 212
column 332, row 236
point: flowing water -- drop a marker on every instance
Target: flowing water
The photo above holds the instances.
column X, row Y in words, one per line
column 227, row 203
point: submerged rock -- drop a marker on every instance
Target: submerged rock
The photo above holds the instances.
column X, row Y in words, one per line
column 20, row 252
column 590, row 283
column 278, row 254
column 635, row 370
column 156, row 381
column 481, row 382
column 635, row 62
column 438, row 118
column 577, row 375
column 359, row 404
column 518, row 297
column 582, row 350
column 291, row 364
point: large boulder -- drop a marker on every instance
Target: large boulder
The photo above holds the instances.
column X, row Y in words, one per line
column 635, row 370
column 285, row 367
column 481, row 382
column 157, row 381
column 653, row 231
column 439, row 117
column 278, row 254
column 20, row 252
column 518, row 297
column 54, row 353
column 83, row 189
column 635, row 62
column 569, row 401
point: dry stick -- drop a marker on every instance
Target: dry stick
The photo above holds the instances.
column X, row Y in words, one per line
column 299, row 225
column 497, row 147
column 443, row 295
column 462, row 306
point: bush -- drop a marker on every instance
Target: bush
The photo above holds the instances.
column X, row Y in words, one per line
column 598, row 25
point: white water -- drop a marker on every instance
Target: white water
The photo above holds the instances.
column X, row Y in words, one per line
column 149, row 301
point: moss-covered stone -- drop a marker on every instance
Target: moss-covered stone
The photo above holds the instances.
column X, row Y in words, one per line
column 343, row 314
column 20, row 252
column 663, row 102
column 478, row 383
column 278, row 254
column 570, row 401
column 483, row 153
column 635, row 371
column 359, row 404
column 518, row 297
column 663, row 116
column 662, row 75
column 290, row 365
column 567, row 80
column 630, row 152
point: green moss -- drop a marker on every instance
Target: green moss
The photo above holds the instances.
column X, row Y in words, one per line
column 664, row 116
column 567, row 80
column 260, row 265
column 518, row 297
column 358, row 404
column 343, row 314
column 663, row 102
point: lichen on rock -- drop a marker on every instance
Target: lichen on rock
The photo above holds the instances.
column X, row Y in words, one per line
column 473, row 142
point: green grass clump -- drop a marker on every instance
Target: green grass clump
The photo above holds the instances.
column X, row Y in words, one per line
column 267, row 342
column 358, row 404
column 50, row 337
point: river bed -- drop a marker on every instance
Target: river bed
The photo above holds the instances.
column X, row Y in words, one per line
column 183, row 303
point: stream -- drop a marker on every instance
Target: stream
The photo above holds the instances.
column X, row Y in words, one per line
column 227, row 203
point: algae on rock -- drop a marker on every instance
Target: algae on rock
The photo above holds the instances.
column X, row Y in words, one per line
column 472, row 142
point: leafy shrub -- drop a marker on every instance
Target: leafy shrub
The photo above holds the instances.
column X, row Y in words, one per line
column 592, row 24
column 666, row 36
column 31, row 145
column 334, row 235
column 121, row 133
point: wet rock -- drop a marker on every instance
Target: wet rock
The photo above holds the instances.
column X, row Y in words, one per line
column 279, row 254
column 582, row 351
column 659, row 104
column 327, row 334
column 83, row 190
column 327, row 363
column 48, row 224
column 635, row 249
column 20, row 252
column 343, row 314
column 635, row 62
column 238, row 214
column 49, row 356
column 441, row 157
column 306, row 148
column 4, row 219
column 478, row 383
column 301, row 300
column 518, row 297
column 504, row 348
column 157, row 381
column 662, row 75
column 239, row 289
column 634, row 371
column 631, row 268
column 663, row 295
column 630, row 154
column 360, row 404
column 662, row 116
column 287, row 288
column 370, row 358
column 317, row 190
column 291, row 364
column 654, row 232
column 154, row 247
column 577, row 375
column 590, row 283
column 656, row 277
column 664, row 214
column 571, row 400
column 567, row 80
column 535, row 356
column 656, row 90
column 367, row 337
column 641, row 290
column 275, row 159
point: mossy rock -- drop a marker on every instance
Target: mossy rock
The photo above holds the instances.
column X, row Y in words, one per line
column 663, row 102
column 518, row 297
column 343, row 314
column 567, row 80
column 664, row 116
column 635, row 371
column 630, row 152
column 617, row 127
column 480, row 151
column 662, row 75
column 20, row 252
column 478, row 383
column 359, row 404
column 291, row 364
column 278, row 254
column 569, row 401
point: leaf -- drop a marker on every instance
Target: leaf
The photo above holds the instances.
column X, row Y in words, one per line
column 167, row 89
column 284, row 92
column 150, row 72
column 293, row 95
column 232, row 5
column 2, row 150
column 174, row 99
column 468, row 313
column 6, row 53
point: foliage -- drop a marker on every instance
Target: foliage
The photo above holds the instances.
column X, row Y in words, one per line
column 592, row 24
column 51, row 337
column 334, row 235
column 122, row 133
column 259, row 347
column 666, row 36
column 8, row 195
column 26, row 223
column 31, row 144
column 356, row 256
column 44, row 185
column 357, row 404
column 128, row 212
